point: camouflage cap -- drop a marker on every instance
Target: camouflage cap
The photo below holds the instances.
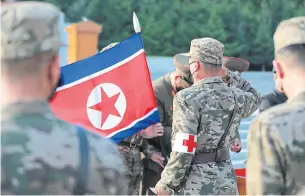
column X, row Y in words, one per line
column 289, row 32
column 109, row 46
column 207, row 50
column 236, row 64
column 29, row 28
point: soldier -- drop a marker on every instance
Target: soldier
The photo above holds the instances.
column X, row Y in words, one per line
column 41, row 154
column 165, row 88
column 238, row 65
column 276, row 142
column 208, row 110
column 131, row 148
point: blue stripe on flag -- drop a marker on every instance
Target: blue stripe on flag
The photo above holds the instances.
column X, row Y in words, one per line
column 100, row 61
column 140, row 125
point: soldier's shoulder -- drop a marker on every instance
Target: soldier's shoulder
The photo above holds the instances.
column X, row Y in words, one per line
column 282, row 114
column 192, row 93
column 105, row 151
column 157, row 82
column 158, row 85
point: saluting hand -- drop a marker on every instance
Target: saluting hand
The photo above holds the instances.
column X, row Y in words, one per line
column 152, row 131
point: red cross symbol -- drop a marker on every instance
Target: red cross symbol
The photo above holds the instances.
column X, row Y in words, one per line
column 190, row 143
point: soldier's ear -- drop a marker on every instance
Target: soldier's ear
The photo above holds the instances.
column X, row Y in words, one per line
column 54, row 70
column 279, row 69
column 197, row 66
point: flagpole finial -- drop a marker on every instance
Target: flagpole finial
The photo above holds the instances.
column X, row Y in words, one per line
column 136, row 23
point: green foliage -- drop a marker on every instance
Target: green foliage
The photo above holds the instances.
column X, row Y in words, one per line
column 246, row 27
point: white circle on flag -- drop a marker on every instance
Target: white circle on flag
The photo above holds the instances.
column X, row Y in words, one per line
column 113, row 108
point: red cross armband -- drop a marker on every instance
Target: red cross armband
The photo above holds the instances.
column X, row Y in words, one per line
column 185, row 143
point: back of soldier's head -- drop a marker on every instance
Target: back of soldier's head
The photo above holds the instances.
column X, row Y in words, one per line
column 289, row 50
column 30, row 37
column 289, row 42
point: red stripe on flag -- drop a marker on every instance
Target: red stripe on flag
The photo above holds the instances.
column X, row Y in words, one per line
column 132, row 78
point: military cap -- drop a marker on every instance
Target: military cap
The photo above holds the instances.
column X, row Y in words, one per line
column 109, row 46
column 236, row 64
column 289, row 32
column 206, row 50
column 181, row 63
column 28, row 29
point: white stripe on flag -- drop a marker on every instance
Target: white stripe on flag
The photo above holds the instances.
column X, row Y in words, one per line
column 133, row 123
column 102, row 71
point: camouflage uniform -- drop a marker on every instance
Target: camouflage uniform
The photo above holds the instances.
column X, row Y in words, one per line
column 276, row 141
column 130, row 150
column 163, row 91
column 203, row 111
column 41, row 154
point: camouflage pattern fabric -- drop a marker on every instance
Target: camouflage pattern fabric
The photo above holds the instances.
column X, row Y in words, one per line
column 40, row 154
column 28, row 29
column 131, row 154
column 133, row 166
column 204, row 110
column 276, row 150
column 207, row 50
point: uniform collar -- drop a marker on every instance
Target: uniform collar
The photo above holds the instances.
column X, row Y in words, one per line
column 299, row 98
column 167, row 84
column 209, row 80
column 23, row 108
column 280, row 95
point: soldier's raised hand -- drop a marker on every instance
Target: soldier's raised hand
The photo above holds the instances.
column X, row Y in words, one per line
column 152, row 131
column 236, row 145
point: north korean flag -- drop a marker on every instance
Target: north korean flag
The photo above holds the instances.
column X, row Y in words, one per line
column 110, row 93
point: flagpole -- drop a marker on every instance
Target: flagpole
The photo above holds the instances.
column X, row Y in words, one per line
column 137, row 29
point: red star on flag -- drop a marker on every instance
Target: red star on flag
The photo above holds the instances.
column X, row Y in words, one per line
column 107, row 106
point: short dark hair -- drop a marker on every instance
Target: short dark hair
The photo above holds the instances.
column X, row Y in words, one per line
column 210, row 66
column 295, row 52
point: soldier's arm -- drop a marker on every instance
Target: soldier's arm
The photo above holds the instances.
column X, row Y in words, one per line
column 252, row 98
column 235, row 135
column 109, row 165
column 266, row 103
column 185, row 125
column 145, row 147
column 265, row 161
column 136, row 139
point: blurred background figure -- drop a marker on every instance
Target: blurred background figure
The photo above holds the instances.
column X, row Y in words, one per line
column 276, row 142
column 165, row 89
column 41, row 154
